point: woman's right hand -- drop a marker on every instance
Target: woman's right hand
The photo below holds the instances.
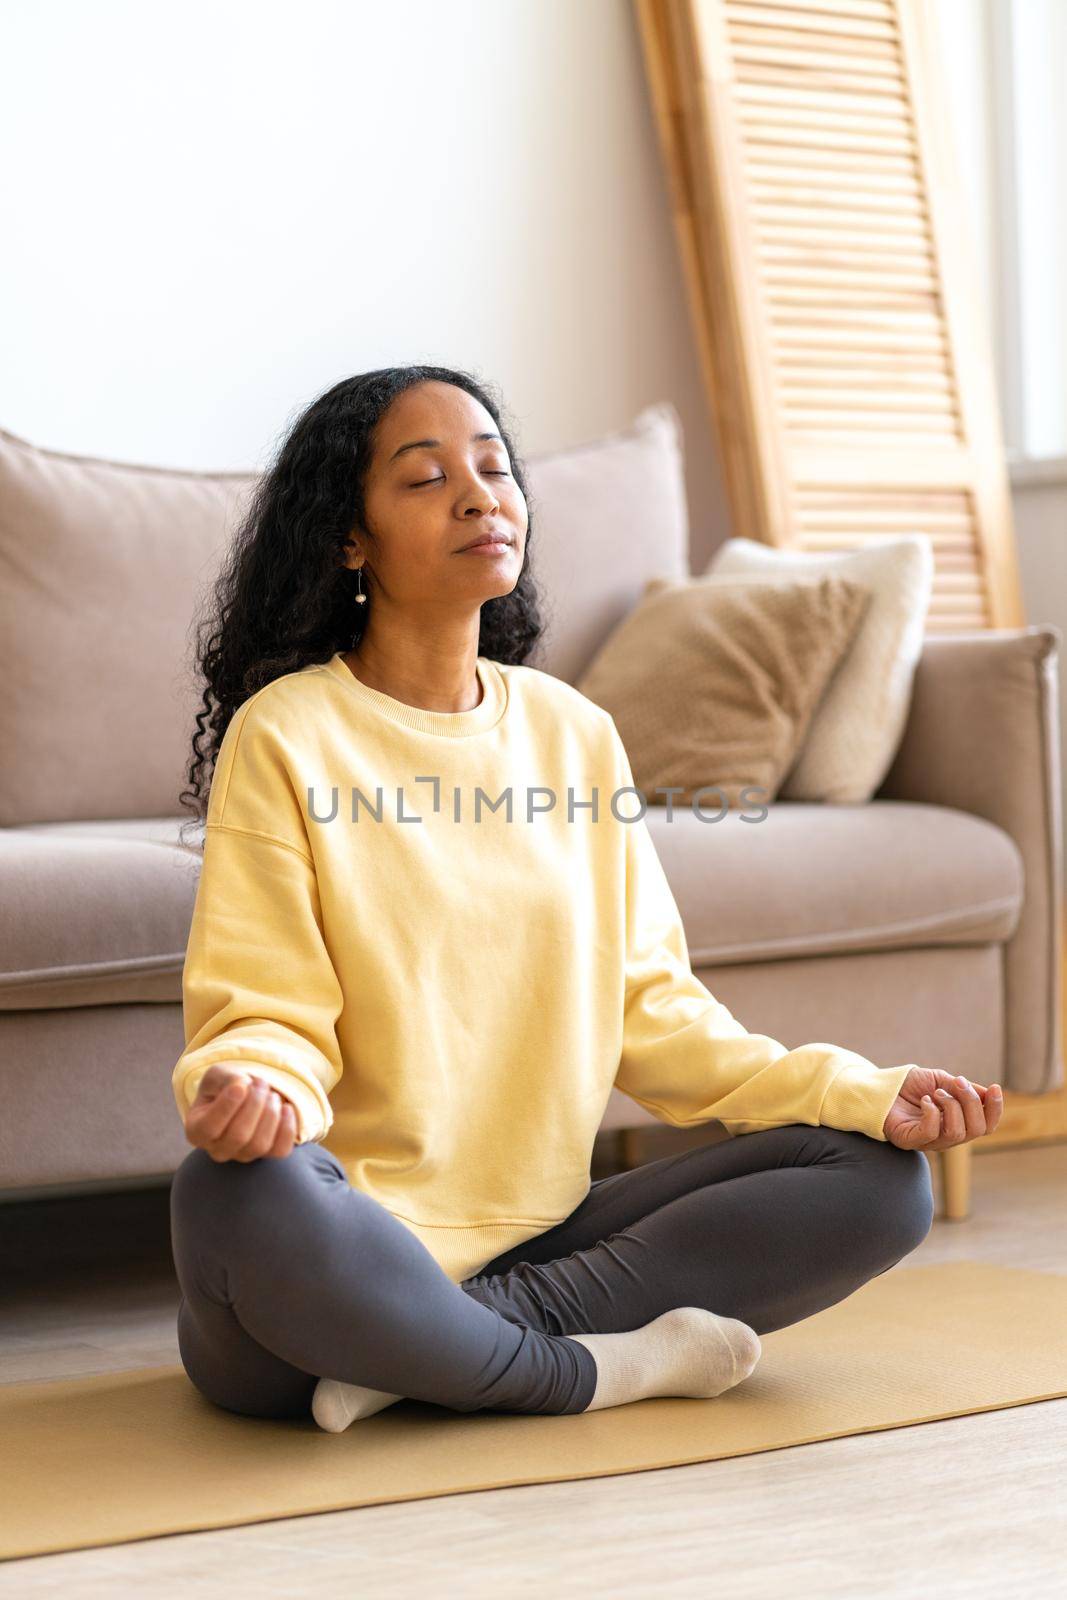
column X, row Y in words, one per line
column 238, row 1117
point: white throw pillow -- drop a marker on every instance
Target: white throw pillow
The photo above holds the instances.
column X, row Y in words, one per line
column 859, row 722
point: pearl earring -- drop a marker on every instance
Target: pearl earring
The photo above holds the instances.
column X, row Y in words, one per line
column 361, row 598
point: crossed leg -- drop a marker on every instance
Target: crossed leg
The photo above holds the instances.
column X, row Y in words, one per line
column 289, row 1274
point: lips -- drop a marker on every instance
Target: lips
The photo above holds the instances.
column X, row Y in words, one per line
column 487, row 538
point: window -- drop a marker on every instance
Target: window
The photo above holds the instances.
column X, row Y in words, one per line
column 1005, row 65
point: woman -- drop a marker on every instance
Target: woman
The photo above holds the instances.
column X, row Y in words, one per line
column 428, row 927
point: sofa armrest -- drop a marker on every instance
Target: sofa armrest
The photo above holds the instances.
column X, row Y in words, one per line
column 983, row 736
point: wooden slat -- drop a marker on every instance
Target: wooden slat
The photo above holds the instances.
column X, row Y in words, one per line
column 795, row 233
column 825, row 256
column 771, row 63
column 870, row 398
column 856, row 203
column 835, row 221
column 776, row 94
column 890, row 407
column 821, row 332
column 805, row 20
column 882, row 513
column 776, row 37
column 786, row 154
column 842, row 298
column 798, row 32
column 778, row 175
column 839, row 10
column 837, row 361
column 797, row 377
column 826, row 133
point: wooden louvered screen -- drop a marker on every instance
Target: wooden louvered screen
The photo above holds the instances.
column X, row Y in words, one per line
column 817, row 212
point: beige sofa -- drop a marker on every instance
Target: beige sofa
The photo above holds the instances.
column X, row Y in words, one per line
column 923, row 926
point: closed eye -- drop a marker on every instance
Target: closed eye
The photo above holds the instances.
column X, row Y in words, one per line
column 425, row 481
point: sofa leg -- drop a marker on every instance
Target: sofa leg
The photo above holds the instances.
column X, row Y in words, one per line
column 956, row 1183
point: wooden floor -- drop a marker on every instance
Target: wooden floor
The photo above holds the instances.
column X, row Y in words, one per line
column 967, row 1508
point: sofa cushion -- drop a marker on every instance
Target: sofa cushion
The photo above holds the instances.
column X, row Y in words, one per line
column 99, row 912
column 810, row 879
column 609, row 514
column 96, row 913
column 101, row 568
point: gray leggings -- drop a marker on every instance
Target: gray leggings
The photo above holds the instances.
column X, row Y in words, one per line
column 289, row 1274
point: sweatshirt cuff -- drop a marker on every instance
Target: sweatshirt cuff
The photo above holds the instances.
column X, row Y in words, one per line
column 859, row 1098
column 313, row 1111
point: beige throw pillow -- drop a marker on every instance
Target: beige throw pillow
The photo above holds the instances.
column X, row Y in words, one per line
column 712, row 682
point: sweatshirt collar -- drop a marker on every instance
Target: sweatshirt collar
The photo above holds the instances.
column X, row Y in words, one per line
column 451, row 724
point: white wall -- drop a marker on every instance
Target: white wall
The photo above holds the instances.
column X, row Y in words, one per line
column 218, row 210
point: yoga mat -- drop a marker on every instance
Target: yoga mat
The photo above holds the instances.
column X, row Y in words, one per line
column 140, row 1454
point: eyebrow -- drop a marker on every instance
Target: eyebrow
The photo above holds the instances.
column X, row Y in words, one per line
column 434, row 444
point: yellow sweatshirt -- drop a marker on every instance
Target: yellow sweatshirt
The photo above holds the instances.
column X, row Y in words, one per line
column 445, row 981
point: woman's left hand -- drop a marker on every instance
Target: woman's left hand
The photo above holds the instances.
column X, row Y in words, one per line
column 935, row 1111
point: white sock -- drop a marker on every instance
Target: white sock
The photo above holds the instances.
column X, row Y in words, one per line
column 335, row 1405
column 686, row 1351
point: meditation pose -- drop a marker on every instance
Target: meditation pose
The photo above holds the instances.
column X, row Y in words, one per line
column 402, row 1031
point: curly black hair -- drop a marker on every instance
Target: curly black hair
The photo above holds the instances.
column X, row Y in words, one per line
column 284, row 595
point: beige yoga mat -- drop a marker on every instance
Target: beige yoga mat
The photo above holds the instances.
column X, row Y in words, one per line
column 138, row 1454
